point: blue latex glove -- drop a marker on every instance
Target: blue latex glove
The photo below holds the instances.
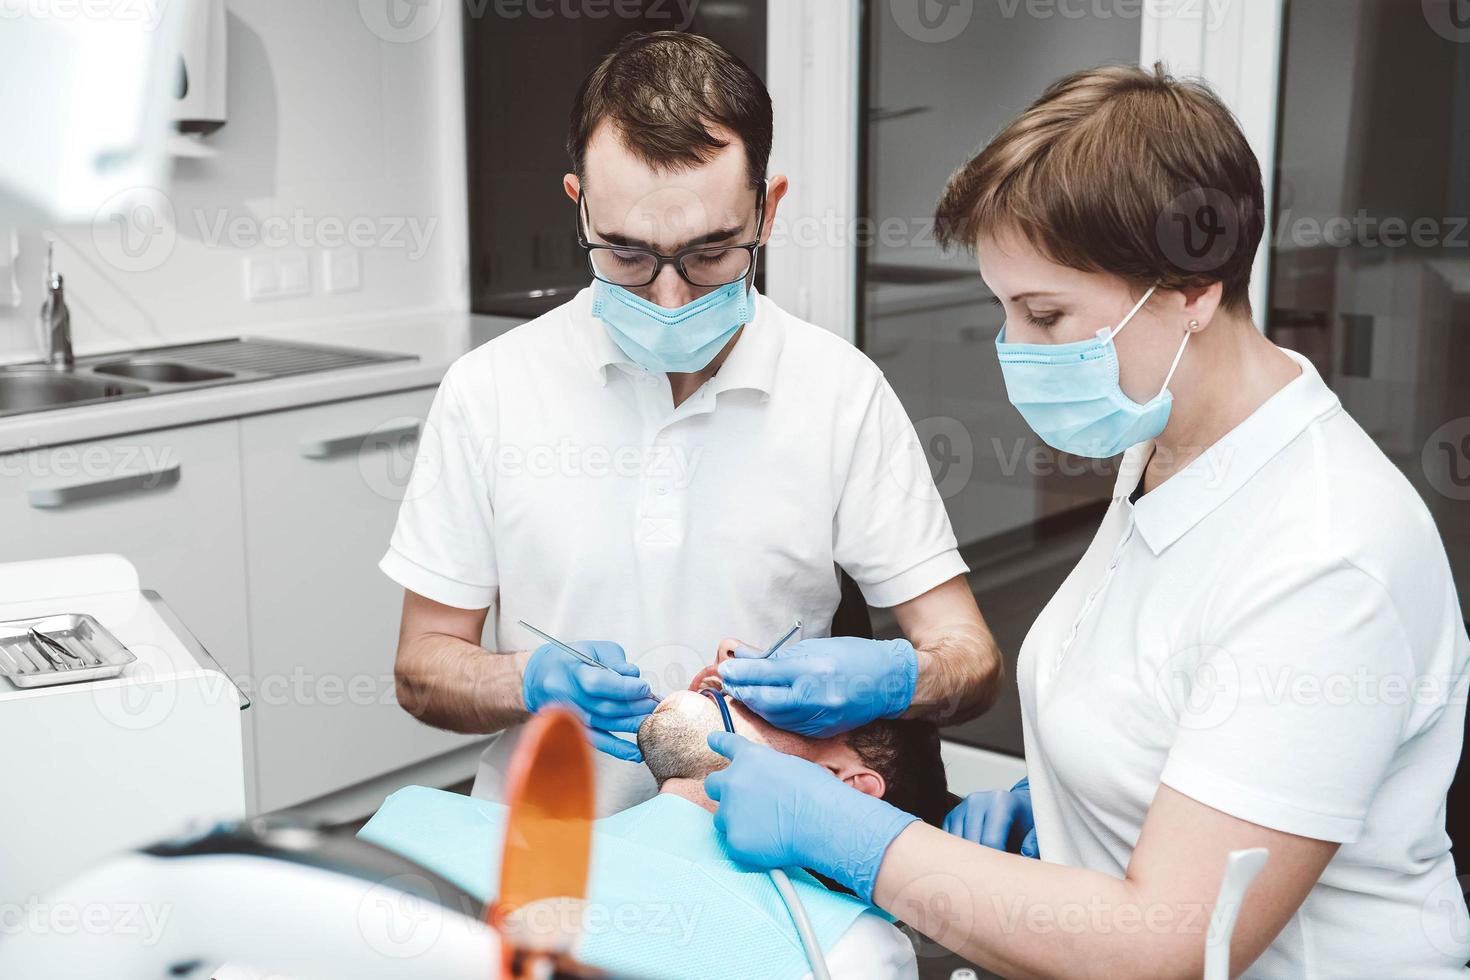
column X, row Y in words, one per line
column 779, row 811
column 827, row 686
column 997, row 819
column 605, row 702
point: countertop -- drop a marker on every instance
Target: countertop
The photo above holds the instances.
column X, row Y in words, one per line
column 436, row 339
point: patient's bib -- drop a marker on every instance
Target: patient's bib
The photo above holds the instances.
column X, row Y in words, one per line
column 665, row 899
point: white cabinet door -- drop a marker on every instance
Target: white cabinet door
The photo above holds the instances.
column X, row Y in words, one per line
column 168, row 501
column 322, row 488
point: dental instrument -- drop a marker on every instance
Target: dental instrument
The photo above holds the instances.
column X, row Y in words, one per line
column 782, row 642
column 568, row 648
column 784, row 888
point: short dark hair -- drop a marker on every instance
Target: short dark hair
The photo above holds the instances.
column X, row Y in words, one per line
column 663, row 92
column 905, row 752
column 1116, row 170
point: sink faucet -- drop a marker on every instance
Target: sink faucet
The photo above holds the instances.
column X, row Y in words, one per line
column 56, row 319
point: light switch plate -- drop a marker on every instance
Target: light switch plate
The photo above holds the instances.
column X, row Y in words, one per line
column 9, row 255
column 262, row 278
column 295, row 274
column 341, row 270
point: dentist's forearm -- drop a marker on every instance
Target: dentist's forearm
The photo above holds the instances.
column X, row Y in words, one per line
column 450, row 683
column 960, row 674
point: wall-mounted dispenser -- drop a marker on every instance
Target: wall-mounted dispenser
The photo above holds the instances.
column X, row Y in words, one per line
column 200, row 92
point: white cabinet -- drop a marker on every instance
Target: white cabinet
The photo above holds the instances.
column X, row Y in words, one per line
column 321, row 489
column 168, row 501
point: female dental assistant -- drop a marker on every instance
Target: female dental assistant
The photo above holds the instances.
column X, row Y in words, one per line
column 1262, row 647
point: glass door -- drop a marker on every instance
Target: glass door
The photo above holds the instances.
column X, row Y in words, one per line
column 936, row 88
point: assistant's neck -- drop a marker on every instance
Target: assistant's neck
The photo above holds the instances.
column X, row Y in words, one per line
column 1227, row 372
column 688, row 789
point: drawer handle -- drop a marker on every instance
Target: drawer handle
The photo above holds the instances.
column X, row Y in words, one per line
column 46, row 498
column 336, row 445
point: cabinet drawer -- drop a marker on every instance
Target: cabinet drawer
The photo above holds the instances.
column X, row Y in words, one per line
column 168, row 501
column 322, row 488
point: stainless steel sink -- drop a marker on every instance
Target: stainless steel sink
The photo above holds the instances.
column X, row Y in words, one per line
column 38, row 389
column 182, row 367
column 155, row 369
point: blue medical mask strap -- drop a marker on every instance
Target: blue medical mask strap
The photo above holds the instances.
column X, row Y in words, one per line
column 1131, row 313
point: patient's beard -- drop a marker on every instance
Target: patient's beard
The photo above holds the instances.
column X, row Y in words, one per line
column 675, row 745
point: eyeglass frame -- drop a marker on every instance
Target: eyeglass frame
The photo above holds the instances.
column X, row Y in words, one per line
column 660, row 260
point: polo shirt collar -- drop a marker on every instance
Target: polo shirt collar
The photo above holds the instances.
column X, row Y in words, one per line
column 1167, row 512
column 751, row 364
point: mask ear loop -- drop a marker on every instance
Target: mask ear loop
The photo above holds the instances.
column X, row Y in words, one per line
column 1177, row 355
column 1136, row 307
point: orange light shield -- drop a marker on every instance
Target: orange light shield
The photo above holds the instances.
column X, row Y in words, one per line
column 550, row 795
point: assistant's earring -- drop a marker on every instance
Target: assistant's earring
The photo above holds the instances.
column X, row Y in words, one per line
column 1193, row 326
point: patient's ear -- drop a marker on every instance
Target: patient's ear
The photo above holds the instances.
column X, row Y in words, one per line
column 864, row 780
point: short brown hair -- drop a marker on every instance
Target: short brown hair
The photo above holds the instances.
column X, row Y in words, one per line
column 663, row 92
column 905, row 752
column 1124, row 171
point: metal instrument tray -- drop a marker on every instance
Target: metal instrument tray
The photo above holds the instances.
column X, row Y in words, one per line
column 79, row 649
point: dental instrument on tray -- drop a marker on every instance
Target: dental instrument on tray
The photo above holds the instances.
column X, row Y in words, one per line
column 784, row 888
column 782, row 642
column 568, row 648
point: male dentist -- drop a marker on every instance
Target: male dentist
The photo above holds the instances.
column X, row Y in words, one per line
column 670, row 458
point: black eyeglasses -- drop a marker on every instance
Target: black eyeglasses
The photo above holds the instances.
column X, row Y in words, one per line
column 698, row 265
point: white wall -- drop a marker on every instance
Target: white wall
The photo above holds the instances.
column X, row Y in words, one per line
column 331, row 124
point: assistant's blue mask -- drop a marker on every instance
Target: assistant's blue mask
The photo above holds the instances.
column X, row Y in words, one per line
column 676, row 341
column 1070, row 396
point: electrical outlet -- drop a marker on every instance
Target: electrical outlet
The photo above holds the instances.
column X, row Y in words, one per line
column 341, row 270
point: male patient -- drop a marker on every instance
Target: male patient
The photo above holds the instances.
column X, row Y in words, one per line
column 664, row 898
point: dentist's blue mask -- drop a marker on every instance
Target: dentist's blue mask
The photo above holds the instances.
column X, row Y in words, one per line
column 677, row 341
column 1070, row 396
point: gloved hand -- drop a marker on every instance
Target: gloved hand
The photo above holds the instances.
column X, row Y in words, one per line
column 997, row 819
column 605, row 702
column 779, row 811
column 826, row 686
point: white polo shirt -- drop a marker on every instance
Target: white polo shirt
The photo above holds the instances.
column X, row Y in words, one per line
column 1273, row 632
column 557, row 482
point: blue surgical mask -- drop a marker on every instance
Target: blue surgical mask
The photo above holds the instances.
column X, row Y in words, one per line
column 676, row 341
column 1069, row 393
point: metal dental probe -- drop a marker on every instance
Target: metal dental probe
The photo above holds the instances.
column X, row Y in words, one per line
column 568, row 648
column 782, row 642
